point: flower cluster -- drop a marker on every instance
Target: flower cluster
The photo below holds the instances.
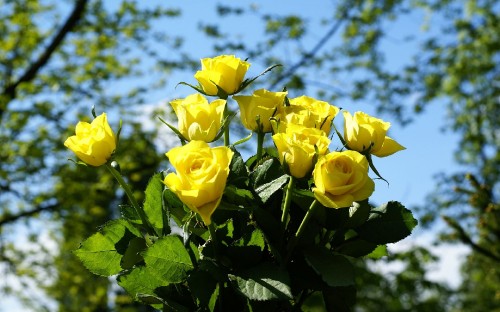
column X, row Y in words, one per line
column 253, row 212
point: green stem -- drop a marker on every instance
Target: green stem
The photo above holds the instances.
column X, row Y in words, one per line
column 301, row 228
column 287, row 201
column 260, row 144
column 213, row 236
column 226, row 136
column 129, row 193
column 226, row 129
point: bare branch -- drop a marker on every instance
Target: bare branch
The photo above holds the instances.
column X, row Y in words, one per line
column 308, row 56
column 9, row 93
column 13, row 218
column 466, row 239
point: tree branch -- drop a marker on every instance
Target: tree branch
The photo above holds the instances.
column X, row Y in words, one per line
column 13, row 218
column 309, row 55
column 466, row 239
column 9, row 92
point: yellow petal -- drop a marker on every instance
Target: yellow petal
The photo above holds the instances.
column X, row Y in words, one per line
column 389, row 147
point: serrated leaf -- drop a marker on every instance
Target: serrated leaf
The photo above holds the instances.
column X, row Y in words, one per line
column 169, row 258
column 128, row 212
column 153, row 206
column 388, row 223
column 358, row 214
column 265, row 191
column 237, row 196
column 264, row 282
column 141, row 281
column 334, row 270
column 266, row 172
column 102, row 252
column 238, row 175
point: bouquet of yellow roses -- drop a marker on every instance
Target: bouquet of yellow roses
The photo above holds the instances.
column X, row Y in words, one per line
column 274, row 232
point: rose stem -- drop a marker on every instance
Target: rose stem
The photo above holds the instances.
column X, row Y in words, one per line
column 301, row 228
column 287, row 201
column 213, row 236
column 260, row 143
column 129, row 193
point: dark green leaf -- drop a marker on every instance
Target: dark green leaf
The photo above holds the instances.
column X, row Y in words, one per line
column 335, row 270
column 264, row 282
column 238, row 176
column 266, row 172
column 202, row 285
column 339, row 299
column 356, row 248
column 388, row 223
column 132, row 255
column 265, row 191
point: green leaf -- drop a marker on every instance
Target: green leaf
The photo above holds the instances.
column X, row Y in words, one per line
column 132, row 255
column 153, row 203
column 379, row 252
column 314, row 303
column 388, row 223
column 129, row 213
column 237, row 196
column 213, row 299
column 175, row 207
column 358, row 214
column 202, row 285
column 264, row 282
column 356, row 248
column 169, row 259
column 141, row 281
column 265, row 191
column 266, row 172
column 335, row 270
column 339, row 299
column 102, row 252
column 248, row 250
column 238, row 174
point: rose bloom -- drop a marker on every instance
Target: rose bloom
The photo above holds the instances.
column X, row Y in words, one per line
column 309, row 112
column 362, row 131
column 225, row 71
column 198, row 120
column 93, row 143
column 262, row 104
column 200, row 178
column 341, row 178
column 296, row 147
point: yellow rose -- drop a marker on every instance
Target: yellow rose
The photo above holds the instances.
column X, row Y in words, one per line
column 201, row 176
column 362, row 131
column 93, row 143
column 225, row 71
column 198, row 120
column 262, row 104
column 341, row 178
column 309, row 112
column 296, row 146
